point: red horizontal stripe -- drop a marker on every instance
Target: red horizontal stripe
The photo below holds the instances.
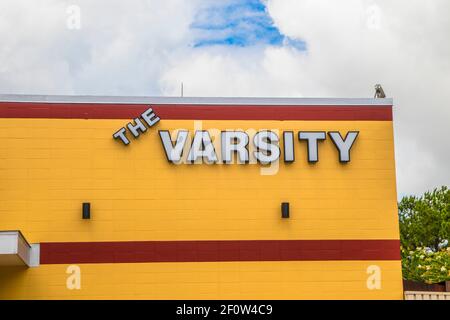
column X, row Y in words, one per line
column 213, row 251
column 193, row 112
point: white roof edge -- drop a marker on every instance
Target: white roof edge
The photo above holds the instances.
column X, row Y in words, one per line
column 193, row 100
column 15, row 250
column 18, row 233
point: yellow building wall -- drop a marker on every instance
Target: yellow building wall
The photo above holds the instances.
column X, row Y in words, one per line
column 48, row 167
column 206, row 280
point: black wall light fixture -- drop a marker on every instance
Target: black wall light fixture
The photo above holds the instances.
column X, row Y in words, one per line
column 86, row 210
column 285, row 210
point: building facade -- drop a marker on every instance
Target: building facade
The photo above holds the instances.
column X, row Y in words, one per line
column 197, row 198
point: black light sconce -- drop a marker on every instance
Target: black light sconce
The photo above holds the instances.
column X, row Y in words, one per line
column 86, row 210
column 285, row 210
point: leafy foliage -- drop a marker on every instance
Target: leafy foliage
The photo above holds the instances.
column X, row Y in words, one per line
column 425, row 221
column 424, row 265
column 424, row 235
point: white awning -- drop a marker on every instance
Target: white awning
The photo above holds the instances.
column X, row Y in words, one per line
column 16, row 251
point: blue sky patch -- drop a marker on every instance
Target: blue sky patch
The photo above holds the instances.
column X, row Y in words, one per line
column 239, row 23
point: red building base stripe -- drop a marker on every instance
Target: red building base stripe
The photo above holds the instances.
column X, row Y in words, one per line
column 193, row 112
column 214, row 251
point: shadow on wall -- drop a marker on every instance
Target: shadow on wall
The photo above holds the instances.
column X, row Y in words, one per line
column 13, row 282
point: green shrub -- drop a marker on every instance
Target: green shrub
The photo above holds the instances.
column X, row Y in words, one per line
column 424, row 265
column 425, row 235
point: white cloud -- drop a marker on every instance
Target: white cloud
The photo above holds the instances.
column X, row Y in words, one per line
column 235, row 72
column 406, row 52
column 121, row 47
column 144, row 47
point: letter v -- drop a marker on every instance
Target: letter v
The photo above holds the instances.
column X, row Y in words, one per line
column 173, row 153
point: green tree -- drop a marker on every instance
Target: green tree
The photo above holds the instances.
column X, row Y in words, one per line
column 425, row 235
column 425, row 220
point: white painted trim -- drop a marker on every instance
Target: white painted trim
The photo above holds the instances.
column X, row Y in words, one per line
column 426, row 295
column 9, row 242
column 35, row 255
column 195, row 100
column 13, row 245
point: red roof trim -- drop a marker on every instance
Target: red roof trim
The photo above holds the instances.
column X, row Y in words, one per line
column 194, row 112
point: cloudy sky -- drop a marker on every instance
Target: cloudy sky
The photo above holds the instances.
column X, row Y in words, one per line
column 290, row 48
